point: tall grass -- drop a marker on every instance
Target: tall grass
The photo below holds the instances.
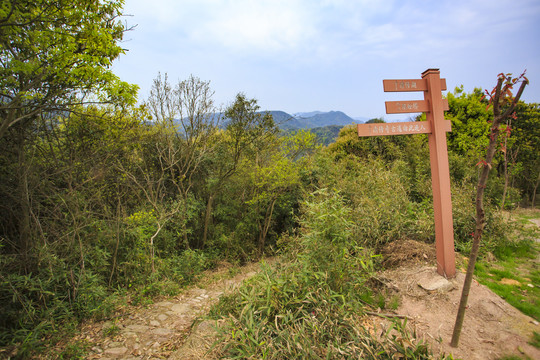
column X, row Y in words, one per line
column 311, row 307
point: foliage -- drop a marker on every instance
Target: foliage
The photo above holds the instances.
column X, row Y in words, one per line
column 56, row 53
column 470, row 123
column 526, row 162
column 310, row 307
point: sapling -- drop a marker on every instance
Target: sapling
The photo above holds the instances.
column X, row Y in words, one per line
column 503, row 103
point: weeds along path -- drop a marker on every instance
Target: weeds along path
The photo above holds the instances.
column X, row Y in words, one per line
column 156, row 331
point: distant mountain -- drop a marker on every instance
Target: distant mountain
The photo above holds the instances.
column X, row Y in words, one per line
column 307, row 114
column 361, row 120
column 330, row 118
column 309, row 120
column 305, row 120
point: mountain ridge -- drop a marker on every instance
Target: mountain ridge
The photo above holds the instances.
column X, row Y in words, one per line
column 310, row 120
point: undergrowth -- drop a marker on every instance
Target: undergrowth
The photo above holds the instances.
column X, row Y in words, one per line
column 46, row 307
column 311, row 307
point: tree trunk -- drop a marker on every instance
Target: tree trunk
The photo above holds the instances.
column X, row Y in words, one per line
column 480, row 223
column 482, row 181
column 505, row 188
column 266, row 226
column 535, row 190
column 24, row 200
column 207, row 218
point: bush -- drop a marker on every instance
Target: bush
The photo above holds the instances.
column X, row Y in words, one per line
column 311, row 308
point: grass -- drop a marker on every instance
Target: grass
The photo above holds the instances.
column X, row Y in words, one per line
column 289, row 313
column 535, row 340
column 515, row 273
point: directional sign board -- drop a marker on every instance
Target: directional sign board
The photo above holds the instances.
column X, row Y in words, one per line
column 401, row 128
column 409, row 85
column 404, row 107
column 436, row 127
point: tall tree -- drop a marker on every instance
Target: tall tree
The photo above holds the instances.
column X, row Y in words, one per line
column 55, row 53
column 188, row 122
column 246, row 128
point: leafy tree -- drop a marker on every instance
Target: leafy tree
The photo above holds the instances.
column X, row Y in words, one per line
column 470, row 123
column 525, row 130
column 54, row 55
column 246, row 130
column 57, row 53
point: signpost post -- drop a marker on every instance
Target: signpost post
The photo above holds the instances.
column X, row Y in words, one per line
column 436, row 127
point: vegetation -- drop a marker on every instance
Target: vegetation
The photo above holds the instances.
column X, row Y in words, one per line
column 103, row 201
column 312, row 307
column 513, row 272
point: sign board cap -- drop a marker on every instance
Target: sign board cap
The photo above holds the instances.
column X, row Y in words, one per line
column 430, row 71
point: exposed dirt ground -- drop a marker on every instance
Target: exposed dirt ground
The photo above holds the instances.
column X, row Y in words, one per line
column 492, row 328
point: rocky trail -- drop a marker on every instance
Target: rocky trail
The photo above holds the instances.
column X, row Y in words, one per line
column 158, row 331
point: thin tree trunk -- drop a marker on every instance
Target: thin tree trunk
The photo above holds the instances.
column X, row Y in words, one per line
column 505, row 188
column 480, row 223
column 535, row 190
column 117, row 243
column 207, row 217
column 24, row 200
column 266, row 226
column 482, row 181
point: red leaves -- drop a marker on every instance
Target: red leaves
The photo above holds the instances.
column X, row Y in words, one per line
column 504, row 86
column 483, row 163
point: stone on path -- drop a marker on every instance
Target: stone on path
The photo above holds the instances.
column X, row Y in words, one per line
column 116, row 351
column 432, row 281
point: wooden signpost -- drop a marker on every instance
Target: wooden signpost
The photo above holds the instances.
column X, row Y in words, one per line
column 436, row 127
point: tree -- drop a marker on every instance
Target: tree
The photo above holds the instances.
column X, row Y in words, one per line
column 57, row 53
column 503, row 103
column 470, row 123
column 54, row 54
column 526, row 132
column 187, row 120
column 246, row 128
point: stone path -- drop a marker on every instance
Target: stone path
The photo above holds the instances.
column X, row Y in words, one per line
column 157, row 331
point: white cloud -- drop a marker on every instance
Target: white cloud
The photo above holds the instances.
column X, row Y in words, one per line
column 237, row 25
column 266, row 26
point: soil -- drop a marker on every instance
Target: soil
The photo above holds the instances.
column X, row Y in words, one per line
column 492, row 328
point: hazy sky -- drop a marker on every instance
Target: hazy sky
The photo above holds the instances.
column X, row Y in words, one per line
column 306, row 55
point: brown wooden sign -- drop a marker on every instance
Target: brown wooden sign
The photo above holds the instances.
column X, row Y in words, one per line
column 401, row 128
column 404, row 107
column 436, row 127
column 409, row 85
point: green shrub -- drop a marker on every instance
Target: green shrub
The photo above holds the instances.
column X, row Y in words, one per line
column 311, row 307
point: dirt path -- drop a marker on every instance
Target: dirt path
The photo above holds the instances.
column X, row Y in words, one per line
column 156, row 331
column 492, row 328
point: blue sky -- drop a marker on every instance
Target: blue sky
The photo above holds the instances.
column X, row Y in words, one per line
column 306, row 55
